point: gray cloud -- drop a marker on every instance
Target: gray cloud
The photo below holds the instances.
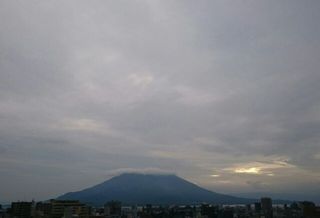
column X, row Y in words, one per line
column 224, row 88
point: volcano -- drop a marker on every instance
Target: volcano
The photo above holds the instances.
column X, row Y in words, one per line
column 132, row 188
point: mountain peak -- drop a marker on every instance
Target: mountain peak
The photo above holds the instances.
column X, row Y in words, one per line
column 141, row 174
column 140, row 188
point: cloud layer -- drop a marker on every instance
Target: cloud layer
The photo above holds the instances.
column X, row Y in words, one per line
column 223, row 93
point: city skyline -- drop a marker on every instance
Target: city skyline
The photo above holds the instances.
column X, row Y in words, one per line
column 222, row 93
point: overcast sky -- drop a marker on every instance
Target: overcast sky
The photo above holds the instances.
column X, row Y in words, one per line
column 223, row 93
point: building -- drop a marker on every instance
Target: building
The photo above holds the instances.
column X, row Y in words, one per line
column 43, row 210
column 68, row 209
column 2, row 212
column 309, row 209
column 21, row 209
column 112, row 209
column 266, row 207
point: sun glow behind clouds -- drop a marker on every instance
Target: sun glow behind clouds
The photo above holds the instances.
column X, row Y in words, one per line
column 261, row 168
column 251, row 170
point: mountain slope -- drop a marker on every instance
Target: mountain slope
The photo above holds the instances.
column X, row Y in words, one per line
column 155, row 189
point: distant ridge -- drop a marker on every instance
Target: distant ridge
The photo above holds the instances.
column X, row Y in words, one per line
column 132, row 188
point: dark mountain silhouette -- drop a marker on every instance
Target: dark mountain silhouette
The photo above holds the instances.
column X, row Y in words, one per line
column 132, row 188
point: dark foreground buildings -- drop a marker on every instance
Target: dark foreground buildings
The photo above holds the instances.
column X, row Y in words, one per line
column 21, row 209
column 114, row 209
